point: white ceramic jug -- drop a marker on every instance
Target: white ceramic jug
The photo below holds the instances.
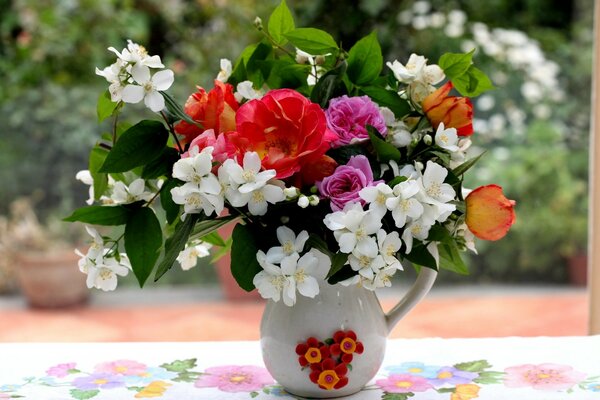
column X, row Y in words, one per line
column 292, row 359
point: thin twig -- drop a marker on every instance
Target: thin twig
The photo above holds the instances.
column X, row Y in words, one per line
column 172, row 131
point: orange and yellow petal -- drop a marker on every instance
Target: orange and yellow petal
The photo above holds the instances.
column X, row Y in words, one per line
column 154, row 389
column 489, row 213
column 467, row 391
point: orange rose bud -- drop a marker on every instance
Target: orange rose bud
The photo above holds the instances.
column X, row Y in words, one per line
column 489, row 214
column 454, row 112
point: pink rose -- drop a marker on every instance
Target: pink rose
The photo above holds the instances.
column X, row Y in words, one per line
column 222, row 148
column 346, row 181
column 349, row 117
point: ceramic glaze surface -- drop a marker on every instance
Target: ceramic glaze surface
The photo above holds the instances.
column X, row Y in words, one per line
column 335, row 308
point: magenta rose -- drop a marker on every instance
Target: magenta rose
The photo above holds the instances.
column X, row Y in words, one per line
column 346, row 181
column 349, row 117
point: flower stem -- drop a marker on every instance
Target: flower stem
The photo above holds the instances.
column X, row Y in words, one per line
column 172, row 131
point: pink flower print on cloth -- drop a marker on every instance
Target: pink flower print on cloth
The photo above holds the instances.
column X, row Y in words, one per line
column 122, row 367
column 542, row 376
column 404, row 383
column 60, row 370
column 235, row 378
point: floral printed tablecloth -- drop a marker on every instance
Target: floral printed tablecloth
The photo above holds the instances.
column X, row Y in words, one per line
column 416, row 369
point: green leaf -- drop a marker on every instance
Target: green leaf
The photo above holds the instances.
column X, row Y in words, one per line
column 205, row 227
column 138, row 146
column 97, row 157
column 389, row 99
column 397, row 396
column 464, row 167
column 180, row 365
column 143, row 240
column 105, row 107
column 171, row 208
column 473, row 366
column 239, row 73
column 161, row 166
column 316, row 242
column 253, row 394
column 473, row 83
column 329, row 85
column 254, row 72
column 281, row 22
column 187, row 377
column 489, row 378
column 385, row 151
column 214, row 238
column 313, row 41
column 456, row 64
column 338, row 260
column 83, row 394
column 244, row 265
column 100, row 215
column 175, row 110
column 365, row 60
column 450, row 258
column 419, row 255
column 175, row 244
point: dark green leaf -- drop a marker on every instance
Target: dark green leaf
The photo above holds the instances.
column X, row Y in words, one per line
column 419, row 255
column 253, row 394
column 244, row 265
column 397, row 180
column 397, row 396
column 338, row 260
column 105, row 107
column 161, row 166
column 83, row 394
column 254, row 72
column 239, row 73
column 365, row 60
column 311, row 40
column 138, row 146
column 205, row 227
column 166, row 200
column 281, row 22
column 97, row 157
column 450, row 258
column 286, row 73
column 175, row 244
column 443, row 156
column 316, row 242
column 456, row 64
column 438, row 233
column 100, row 215
column 473, row 366
column 214, row 238
column 385, row 151
column 143, row 240
column 329, row 85
column 473, row 83
column 389, row 99
column 464, row 167
column 180, row 365
column 346, row 272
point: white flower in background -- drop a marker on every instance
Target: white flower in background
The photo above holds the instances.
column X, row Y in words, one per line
column 103, row 274
column 389, row 244
column 303, row 201
column 404, row 204
column 383, row 278
column 226, row 70
column 446, row 138
column 352, row 227
column 188, row 258
column 316, row 71
column 136, row 54
column 416, row 69
column 468, row 236
column 247, row 186
column 123, row 194
column 290, row 244
column 397, row 134
column 245, row 90
column 148, row 87
column 270, row 282
column 376, row 196
column 96, row 249
column 459, row 157
column 86, row 177
column 303, row 274
column 417, row 230
column 194, row 200
column 435, row 192
column 116, row 74
column 366, row 266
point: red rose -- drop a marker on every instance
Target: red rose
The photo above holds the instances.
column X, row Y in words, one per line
column 287, row 131
column 214, row 110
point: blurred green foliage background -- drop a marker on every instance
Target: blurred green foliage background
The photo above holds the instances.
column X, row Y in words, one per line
column 535, row 126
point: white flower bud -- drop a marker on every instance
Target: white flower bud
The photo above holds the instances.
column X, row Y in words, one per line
column 291, row 192
column 258, row 23
column 303, row 201
column 427, row 140
column 313, row 200
column 419, row 166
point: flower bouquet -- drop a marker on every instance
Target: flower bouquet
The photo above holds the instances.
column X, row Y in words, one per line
column 337, row 168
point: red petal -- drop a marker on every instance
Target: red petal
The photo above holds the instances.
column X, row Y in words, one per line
column 328, row 364
column 347, row 358
column 325, row 351
column 314, row 376
column 343, row 382
column 489, row 213
column 341, row 369
column 359, row 348
column 303, row 361
column 334, row 349
column 312, row 342
column 301, row 349
column 338, row 336
column 351, row 335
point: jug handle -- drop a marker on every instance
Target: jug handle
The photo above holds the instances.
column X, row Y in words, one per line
column 419, row 289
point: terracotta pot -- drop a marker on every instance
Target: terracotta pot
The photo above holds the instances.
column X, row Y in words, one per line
column 51, row 279
column 577, row 269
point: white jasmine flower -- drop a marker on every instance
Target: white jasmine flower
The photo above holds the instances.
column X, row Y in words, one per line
column 415, row 229
column 194, row 200
column 136, row 54
column 389, row 244
column 196, row 169
column 270, row 282
column 290, row 244
column 366, row 266
column 303, row 274
column 446, row 138
column 86, row 177
column 376, row 196
column 381, row 279
column 247, row 178
column 103, row 274
column 226, row 70
column 257, row 205
column 435, row 192
column 404, row 204
column 148, row 87
column 245, row 90
column 95, row 250
column 352, row 227
column 459, row 157
column 416, row 69
column 123, row 194
column 188, row 258
column 313, row 200
column 291, row 192
column 116, row 74
column 303, row 201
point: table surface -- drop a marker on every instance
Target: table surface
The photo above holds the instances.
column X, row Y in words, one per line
column 417, row 369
